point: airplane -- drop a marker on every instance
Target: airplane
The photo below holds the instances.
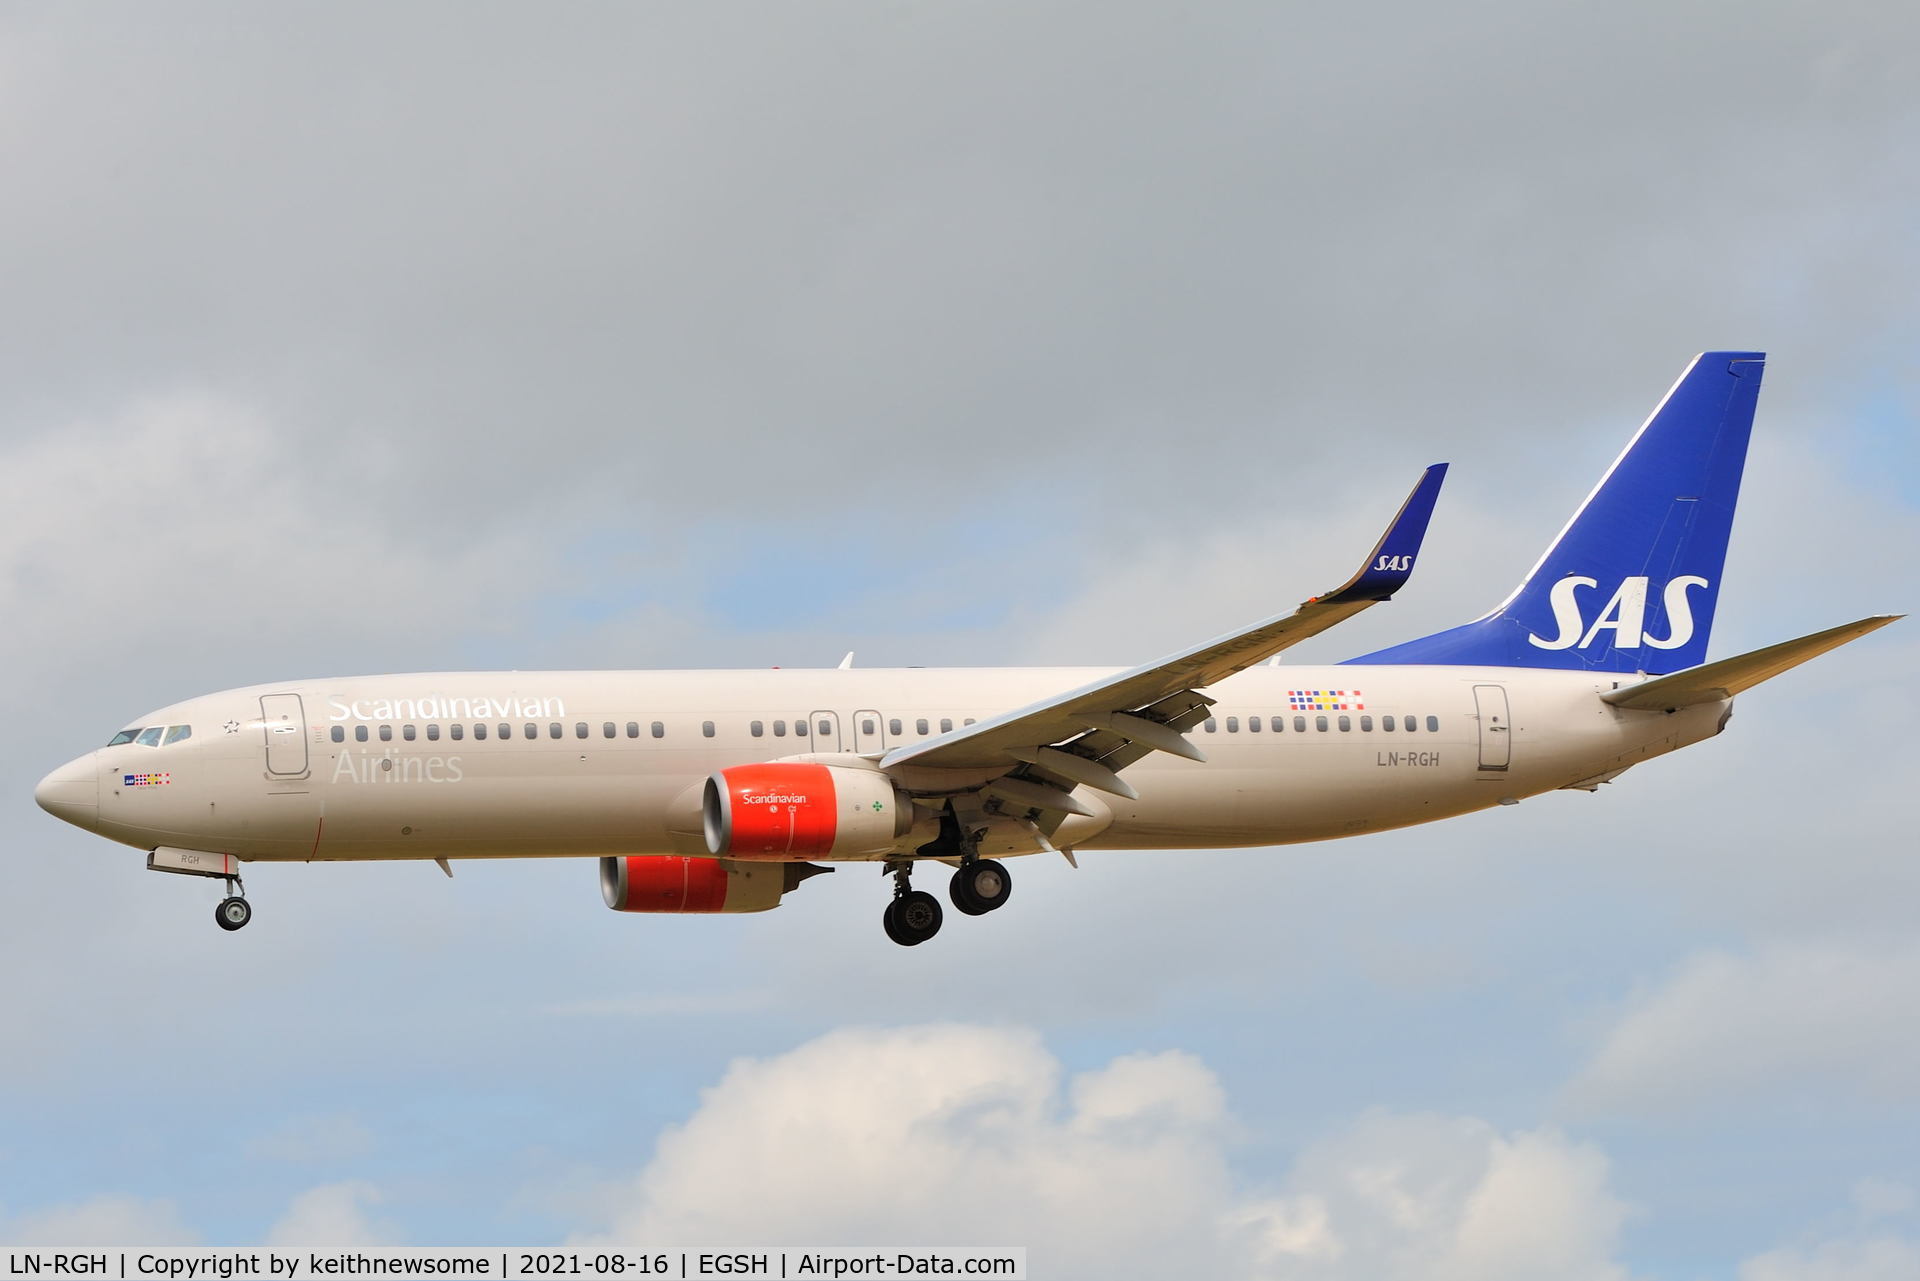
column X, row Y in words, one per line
column 722, row 791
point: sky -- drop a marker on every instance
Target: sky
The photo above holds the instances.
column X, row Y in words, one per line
column 352, row 338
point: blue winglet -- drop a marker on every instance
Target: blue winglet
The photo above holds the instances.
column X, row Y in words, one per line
column 1391, row 562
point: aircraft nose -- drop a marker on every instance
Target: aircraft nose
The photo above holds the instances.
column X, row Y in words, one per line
column 71, row 792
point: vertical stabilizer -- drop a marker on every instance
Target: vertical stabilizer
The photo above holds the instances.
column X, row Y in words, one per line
column 1631, row 583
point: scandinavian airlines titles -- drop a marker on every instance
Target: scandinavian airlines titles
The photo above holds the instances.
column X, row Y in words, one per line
column 1625, row 615
column 440, row 707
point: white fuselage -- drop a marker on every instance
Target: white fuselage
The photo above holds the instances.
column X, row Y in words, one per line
column 518, row 764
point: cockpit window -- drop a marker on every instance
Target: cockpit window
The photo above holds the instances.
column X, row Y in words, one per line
column 150, row 736
column 124, row 736
column 177, row 732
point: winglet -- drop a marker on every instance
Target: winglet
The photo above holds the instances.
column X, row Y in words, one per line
column 1390, row 564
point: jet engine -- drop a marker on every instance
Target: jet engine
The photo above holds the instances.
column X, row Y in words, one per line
column 674, row 883
column 794, row 809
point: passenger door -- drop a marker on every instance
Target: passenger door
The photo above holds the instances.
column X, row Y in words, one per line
column 1496, row 733
column 284, row 721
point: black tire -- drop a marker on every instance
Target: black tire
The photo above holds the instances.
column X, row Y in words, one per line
column 233, row 913
column 980, row 887
column 913, row 918
column 891, row 926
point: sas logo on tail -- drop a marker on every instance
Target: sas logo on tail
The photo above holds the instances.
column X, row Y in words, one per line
column 1394, row 562
column 1625, row 615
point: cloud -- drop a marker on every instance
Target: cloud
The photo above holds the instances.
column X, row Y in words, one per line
column 331, row 1215
column 1796, row 1015
column 973, row 1135
column 941, row 1133
column 102, row 1221
column 1421, row 1196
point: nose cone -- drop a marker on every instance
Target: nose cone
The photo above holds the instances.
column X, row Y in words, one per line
column 71, row 792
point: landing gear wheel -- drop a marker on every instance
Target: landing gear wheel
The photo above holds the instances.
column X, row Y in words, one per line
column 913, row 918
column 233, row 913
column 980, row 886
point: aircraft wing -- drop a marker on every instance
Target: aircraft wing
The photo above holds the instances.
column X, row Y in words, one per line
column 1088, row 734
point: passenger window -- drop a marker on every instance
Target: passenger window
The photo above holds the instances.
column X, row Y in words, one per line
column 867, row 725
column 506, row 731
column 799, row 729
column 579, row 729
column 339, row 734
column 1433, row 724
column 1279, row 723
column 150, row 736
column 480, row 731
column 407, row 732
column 386, row 733
column 532, row 730
column 1300, row 725
column 1366, row 724
column 456, row 731
column 757, row 728
column 824, row 729
column 1346, row 724
column 946, row 725
column 359, row 733
column 1233, row 724
column 1386, row 723
column 433, row 733
column 779, row 729
column 177, row 732
column 706, row 728
column 1320, row 723
column 967, row 721
column 1212, row 725
column 607, row 730
column 920, row 726
column 659, row 729
column 1253, row 724
column 633, row 729
column 893, row 727
column 553, row 729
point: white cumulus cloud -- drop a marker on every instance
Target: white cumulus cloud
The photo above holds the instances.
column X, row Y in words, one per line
column 334, row 1215
column 977, row 1136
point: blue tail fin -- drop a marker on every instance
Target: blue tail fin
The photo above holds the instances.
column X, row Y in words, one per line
column 1631, row 583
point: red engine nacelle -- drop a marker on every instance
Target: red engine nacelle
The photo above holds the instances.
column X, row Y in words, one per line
column 795, row 810
column 673, row 883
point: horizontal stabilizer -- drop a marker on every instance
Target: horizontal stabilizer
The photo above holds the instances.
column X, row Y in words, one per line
column 1715, row 682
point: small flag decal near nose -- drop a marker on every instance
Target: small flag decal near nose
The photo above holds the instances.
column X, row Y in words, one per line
column 1325, row 700
column 145, row 780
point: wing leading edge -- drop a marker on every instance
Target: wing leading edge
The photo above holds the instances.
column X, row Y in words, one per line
column 1113, row 722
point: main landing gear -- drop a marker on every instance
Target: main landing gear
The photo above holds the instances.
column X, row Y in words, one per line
column 979, row 886
column 234, row 911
